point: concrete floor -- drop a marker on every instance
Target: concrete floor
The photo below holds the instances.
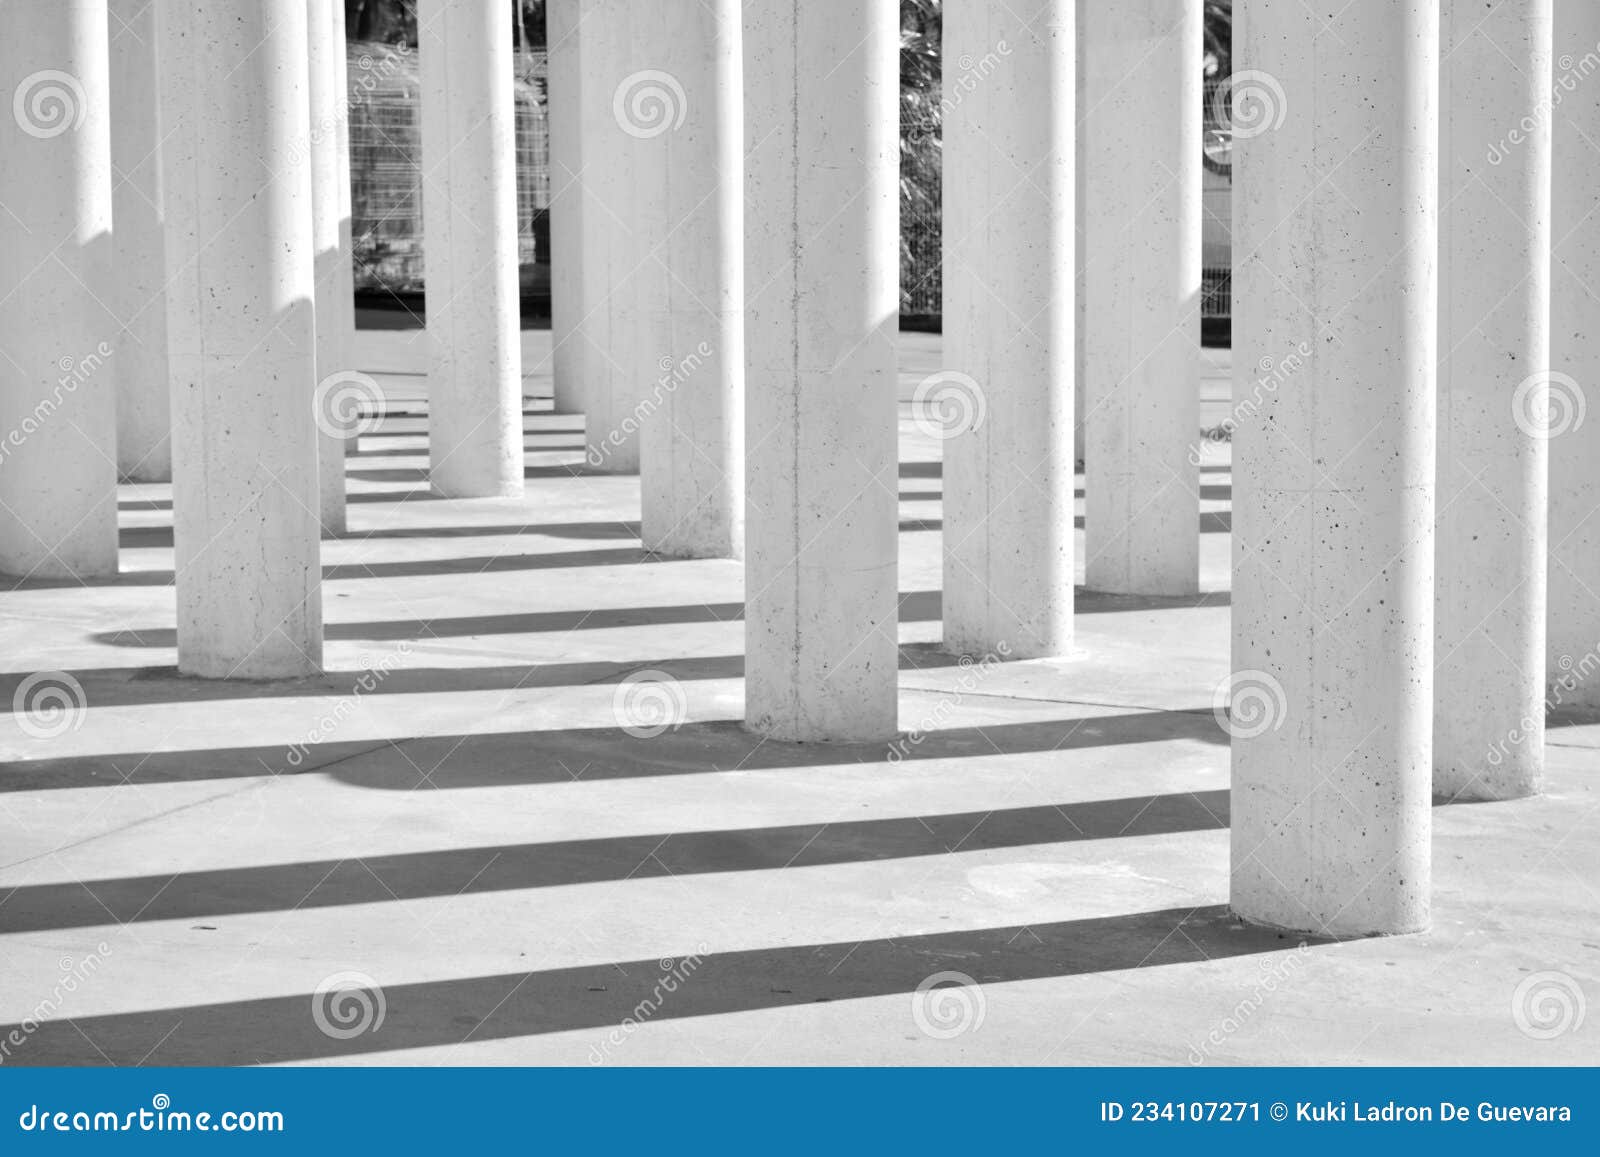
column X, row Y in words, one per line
column 473, row 834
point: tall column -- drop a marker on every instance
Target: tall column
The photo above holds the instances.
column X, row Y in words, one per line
column 144, row 410
column 241, row 337
column 1494, row 359
column 563, row 33
column 1572, row 646
column 1142, row 284
column 821, row 273
column 610, row 289
column 469, row 227
column 58, row 476
column 344, row 285
column 1335, row 229
column 325, row 63
column 1079, row 198
column 1004, row 400
column 680, row 114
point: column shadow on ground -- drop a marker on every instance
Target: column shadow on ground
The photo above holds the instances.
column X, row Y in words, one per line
column 914, row 607
column 452, row 872
column 588, row 754
column 529, row 1003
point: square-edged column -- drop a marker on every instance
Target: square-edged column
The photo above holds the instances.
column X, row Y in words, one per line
column 1141, row 237
column 58, row 470
column 1003, row 401
column 144, row 400
column 241, row 337
column 1335, row 243
column 469, row 239
column 1571, row 415
column 1494, row 365
column 325, row 63
column 821, row 284
column 676, row 126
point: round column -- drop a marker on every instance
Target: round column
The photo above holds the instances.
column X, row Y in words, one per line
column 241, row 337
column 144, row 411
column 1494, row 361
column 1003, row 401
column 1141, row 237
column 469, row 225
column 1572, row 645
column 58, row 472
column 326, row 62
column 821, row 274
column 1335, row 232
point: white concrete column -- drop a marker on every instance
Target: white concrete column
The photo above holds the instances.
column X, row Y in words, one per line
column 1494, row 361
column 345, row 272
column 469, row 227
column 564, row 22
column 821, row 279
column 610, row 290
column 1079, row 199
column 144, row 411
column 1003, row 401
column 1141, row 238
column 325, row 64
column 58, row 481
column 678, row 113
column 1335, row 229
column 1572, row 645
column 241, row 337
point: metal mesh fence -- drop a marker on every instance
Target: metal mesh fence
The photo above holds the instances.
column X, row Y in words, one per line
column 1216, row 203
column 920, row 283
column 385, row 173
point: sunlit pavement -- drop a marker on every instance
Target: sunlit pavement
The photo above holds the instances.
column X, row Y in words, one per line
column 518, row 821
